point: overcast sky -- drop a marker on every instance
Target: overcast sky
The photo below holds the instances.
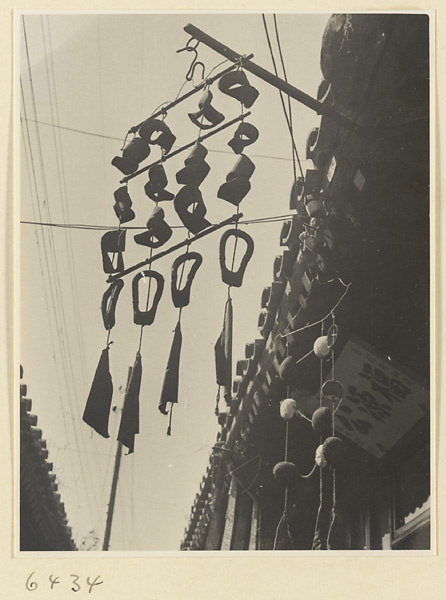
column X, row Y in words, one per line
column 101, row 74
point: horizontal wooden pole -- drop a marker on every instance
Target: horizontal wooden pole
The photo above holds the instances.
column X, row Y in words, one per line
column 186, row 242
column 284, row 86
column 186, row 147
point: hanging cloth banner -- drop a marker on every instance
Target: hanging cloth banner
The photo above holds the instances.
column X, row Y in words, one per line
column 223, row 354
column 97, row 409
column 169, row 392
column 129, row 426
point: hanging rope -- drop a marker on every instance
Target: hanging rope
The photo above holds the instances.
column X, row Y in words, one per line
column 347, row 286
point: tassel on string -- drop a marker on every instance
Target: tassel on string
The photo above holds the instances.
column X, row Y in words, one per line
column 97, row 408
column 169, row 392
column 169, row 428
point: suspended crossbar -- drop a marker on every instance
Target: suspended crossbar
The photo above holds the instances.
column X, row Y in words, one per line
column 185, row 242
column 200, row 86
column 275, row 81
column 186, row 147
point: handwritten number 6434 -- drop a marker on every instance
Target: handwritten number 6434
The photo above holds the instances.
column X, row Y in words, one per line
column 32, row 585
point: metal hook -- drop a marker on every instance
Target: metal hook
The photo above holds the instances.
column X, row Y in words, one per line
column 192, row 48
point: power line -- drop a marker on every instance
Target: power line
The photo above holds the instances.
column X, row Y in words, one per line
column 258, row 221
column 287, row 117
column 120, row 139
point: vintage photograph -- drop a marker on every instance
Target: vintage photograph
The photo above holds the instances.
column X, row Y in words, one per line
column 223, row 274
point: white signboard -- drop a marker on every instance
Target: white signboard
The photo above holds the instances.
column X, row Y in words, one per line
column 381, row 403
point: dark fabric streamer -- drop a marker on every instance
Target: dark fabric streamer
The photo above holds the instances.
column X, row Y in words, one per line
column 129, row 426
column 223, row 354
column 97, row 409
column 169, row 392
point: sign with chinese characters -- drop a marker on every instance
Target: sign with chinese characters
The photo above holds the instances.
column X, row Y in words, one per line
column 381, row 402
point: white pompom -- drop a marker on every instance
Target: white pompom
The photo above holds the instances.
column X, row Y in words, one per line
column 320, row 458
column 288, row 409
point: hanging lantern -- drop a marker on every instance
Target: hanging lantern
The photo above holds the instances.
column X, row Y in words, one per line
column 235, row 278
column 333, row 451
column 333, row 389
column 320, row 458
column 321, row 347
column 288, row 409
column 322, row 420
column 286, row 368
column 285, row 472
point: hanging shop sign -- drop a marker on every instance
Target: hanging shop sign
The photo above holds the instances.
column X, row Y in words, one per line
column 381, row 401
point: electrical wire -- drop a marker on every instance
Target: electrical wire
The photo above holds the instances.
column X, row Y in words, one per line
column 119, row 139
column 259, row 221
column 287, row 117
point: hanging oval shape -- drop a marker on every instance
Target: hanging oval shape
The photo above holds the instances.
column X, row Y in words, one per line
column 109, row 301
column 146, row 317
column 113, row 242
column 333, row 389
column 235, row 278
column 181, row 297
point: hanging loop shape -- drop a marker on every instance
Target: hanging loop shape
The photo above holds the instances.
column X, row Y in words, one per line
column 155, row 187
column 113, row 242
column 193, row 220
column 123, row 204
column 158, row 231
column 109, row 301
column 146, row 317
column 191, row 47
column 206, row 112
column 235, row 278
column 245, row 135
column 236, row 85
column 333, row 389
column 181, row 297
column 165, row 138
